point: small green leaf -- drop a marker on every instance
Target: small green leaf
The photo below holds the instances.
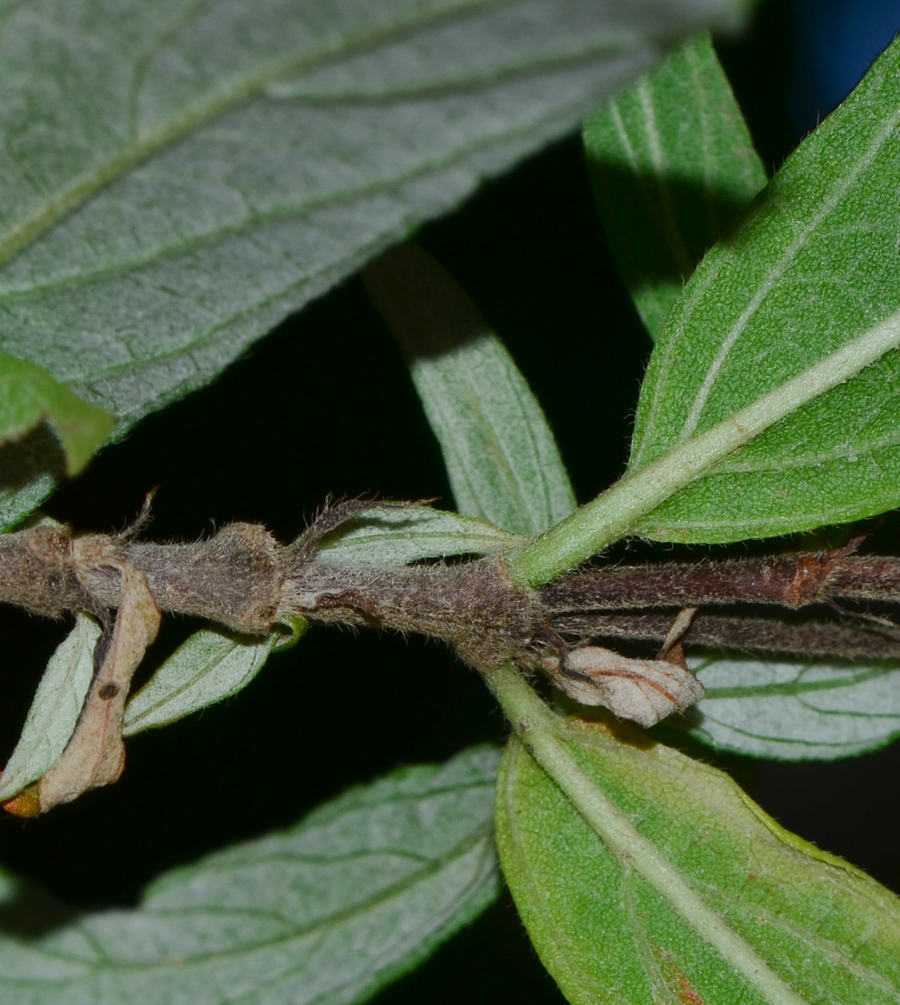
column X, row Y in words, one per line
column 29, row 396
column 54, row 712
column 210, row 666
column 795, row 711
column 670, row 885
column 30, row 469
column 813, row 272
column 398, row 535
column 500, row 455
column 326, row 912
column 673, row 165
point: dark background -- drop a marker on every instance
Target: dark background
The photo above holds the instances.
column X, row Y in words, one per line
column 324, row 405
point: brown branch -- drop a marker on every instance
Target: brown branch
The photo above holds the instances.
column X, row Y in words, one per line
column 794, row 581
column 766, row 631
column 245, row 580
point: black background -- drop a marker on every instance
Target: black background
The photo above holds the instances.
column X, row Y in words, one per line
column 324, row 405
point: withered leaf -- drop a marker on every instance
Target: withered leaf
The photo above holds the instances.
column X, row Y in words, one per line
column 95, row 755
column 644, row 691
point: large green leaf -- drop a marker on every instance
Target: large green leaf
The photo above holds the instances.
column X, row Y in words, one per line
column 645, row 877
column 796, row 711
column 813, row 271
column 500, row 454
column 177, row 176
column 673, row 165
column 326, row 912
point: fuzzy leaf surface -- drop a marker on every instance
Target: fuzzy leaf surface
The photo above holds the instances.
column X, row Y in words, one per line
column 695, row 862
column 328, row 911
column 209, row 667
column 179, row 176
column 672, row 165
column 810, row 280
column 54, row 712
column 500, row 455
column 398, row 535
column 796, row 711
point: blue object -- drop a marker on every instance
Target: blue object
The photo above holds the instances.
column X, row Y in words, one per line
column 836, row 42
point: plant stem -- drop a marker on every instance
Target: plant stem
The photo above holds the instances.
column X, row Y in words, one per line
column 539, row 729
column 618, row 511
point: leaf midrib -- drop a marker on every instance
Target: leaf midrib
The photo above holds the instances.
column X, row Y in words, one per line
column 293, row 207
column 846, row 185
column 296, row 931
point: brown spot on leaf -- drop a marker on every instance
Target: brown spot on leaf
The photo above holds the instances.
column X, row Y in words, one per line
column 682, row 987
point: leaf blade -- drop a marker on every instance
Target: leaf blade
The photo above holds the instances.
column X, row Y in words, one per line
column 500, row 455
column 748, row 912
column 795, row 711
column 400, row 534
column 417, row 841
column 207, row 668
column 672, row 165
column 810, row 270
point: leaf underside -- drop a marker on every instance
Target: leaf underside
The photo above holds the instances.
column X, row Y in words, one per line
column 209, row 667
column 54, row 712
column 178, row 177
column 400, row 534
column 796, row 711
column 501, row 458
column 326, row 912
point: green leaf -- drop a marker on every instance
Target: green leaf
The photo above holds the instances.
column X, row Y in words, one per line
column 29, row 396
column 814, row 271
column 54, row 712
column 400, row 534
column 646, row 877
column 31, row 475
column 179, row 176
column 500, row 455
column 795, row 711
column 673, row 165
column 328, row 911
column 210, row 666
column 769, row 405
